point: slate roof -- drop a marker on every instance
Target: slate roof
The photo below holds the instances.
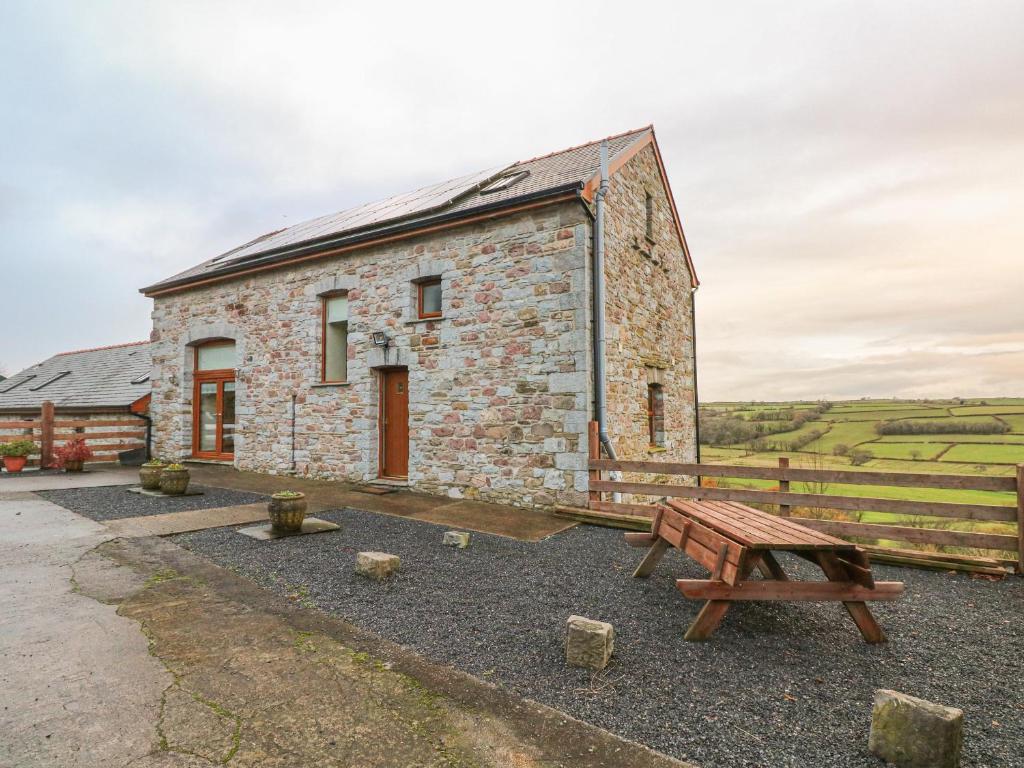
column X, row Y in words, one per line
column 559, row 171
column 88, row 379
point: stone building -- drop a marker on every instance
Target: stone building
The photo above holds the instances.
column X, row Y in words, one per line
column 441, row 338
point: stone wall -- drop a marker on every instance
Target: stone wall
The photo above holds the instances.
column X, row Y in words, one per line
column 649, row 329
column 499, row 388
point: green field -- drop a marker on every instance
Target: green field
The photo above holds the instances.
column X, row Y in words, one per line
column 851, row 425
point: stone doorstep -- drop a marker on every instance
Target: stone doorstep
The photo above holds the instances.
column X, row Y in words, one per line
column 266, row 531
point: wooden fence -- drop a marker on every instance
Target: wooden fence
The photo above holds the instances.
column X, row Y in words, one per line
column 919, row 533
column 106, row 434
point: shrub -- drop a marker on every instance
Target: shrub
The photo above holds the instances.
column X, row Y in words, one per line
column 941, row 427
column 73, row 450
column 840, row 449
column 860, row 456
column 17, row 448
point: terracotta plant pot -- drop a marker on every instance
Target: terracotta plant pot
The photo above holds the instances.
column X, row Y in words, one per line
column 73, row 466
column 150, row 477
column 174, row 482
column 287, row 513
column 15, row 463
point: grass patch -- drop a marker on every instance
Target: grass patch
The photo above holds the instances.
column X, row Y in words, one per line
column 972, row 410
column 910, row 451
column 986, row 454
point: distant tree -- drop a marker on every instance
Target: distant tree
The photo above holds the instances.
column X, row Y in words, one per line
column 860, row 456
column 915, row 455
column 840, row 449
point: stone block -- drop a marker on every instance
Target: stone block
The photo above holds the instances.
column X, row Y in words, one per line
column 571, row 461
column 913, row 733
column 376, row 565
column 458, row 539
column 588, row 643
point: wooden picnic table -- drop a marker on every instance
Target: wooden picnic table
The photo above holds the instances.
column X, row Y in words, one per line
column 732, row 539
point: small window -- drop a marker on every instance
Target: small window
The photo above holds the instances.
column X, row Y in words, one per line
column 217, row 356
column 429, row 298
column 504, row 182
column 334, row 365
column 649, row 216
column 50, row 380
column 656, row 415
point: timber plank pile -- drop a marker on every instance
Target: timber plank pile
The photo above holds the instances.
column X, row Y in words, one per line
column 731, row 540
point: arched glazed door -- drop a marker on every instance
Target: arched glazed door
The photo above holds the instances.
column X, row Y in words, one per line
column 213, row 401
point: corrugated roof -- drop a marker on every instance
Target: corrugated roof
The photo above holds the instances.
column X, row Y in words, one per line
column 92, row 378
column 463, row 195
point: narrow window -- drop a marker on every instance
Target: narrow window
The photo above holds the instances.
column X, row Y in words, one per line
column 334, row 365
column 656, row 415
column 429, row 298
column 649, row 214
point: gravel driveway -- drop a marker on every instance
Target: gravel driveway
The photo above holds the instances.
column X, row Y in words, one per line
column 117, row 502
column 784, row 684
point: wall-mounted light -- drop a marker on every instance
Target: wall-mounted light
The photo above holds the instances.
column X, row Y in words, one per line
column 380, row 339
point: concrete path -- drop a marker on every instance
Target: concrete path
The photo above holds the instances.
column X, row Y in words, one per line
column 466, row 514
column 78, row 686
column 47, row 481
column 135, row 652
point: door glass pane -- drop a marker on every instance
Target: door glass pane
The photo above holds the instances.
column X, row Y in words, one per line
column 208, row 416
column 214, row 357
column 228, row 434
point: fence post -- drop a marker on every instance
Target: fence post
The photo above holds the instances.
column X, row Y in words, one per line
column 1020, row 518
column 594, row 452
column 46, row 435
column 784, row 509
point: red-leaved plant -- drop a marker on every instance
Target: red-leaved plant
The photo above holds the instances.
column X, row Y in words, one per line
column 73, row 452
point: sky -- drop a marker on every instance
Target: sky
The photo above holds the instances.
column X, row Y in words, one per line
column 850, row 175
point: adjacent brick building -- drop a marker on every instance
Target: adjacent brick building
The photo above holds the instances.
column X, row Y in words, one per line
column 442, row 338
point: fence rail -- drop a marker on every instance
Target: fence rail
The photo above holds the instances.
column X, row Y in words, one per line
column 917, row 530
column 105, row 436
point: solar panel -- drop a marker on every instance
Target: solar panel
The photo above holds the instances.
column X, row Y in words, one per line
column 402, row 206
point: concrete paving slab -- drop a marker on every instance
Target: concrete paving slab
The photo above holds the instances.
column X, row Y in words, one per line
column 190, row 491
column 188, row 520
column 266, row 532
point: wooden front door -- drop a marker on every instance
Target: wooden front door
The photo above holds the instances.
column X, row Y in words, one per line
column 394, row 423
column 213, row 415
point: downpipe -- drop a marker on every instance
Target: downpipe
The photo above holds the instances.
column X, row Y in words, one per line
column 600, row 340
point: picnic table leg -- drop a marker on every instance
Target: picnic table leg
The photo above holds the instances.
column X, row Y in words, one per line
column 708, row 619
column 654, row 554
column 770, row 567
column 714, row 611
column 858, row 610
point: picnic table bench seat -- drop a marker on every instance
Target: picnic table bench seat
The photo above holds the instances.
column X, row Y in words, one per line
column 732, row 539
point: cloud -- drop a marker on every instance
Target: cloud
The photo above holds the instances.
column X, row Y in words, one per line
column 848, row 172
